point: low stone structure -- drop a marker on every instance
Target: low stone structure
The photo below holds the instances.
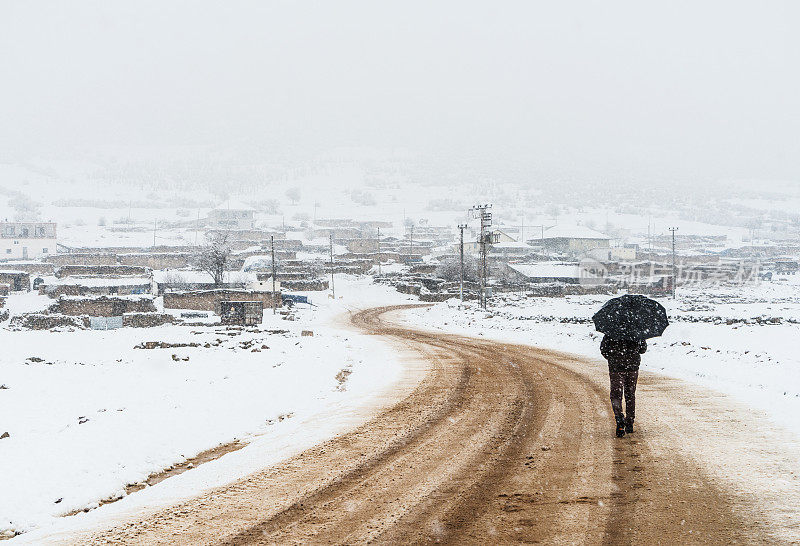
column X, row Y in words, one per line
column 312, row 285
column 245, row 313
column 34, row 268
column 146, row 320
column 83, row 258
column 17, row 281
column 102, row 306
column 210, row 300
column 162, row 260
column 102, row 270
column 118, row 286
column 42, row 321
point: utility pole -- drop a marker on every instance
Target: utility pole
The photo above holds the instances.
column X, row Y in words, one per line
column 379, row 251
column 274, row 273
column 155, row 227
column 484, row 239
column 674, row 276
column 461, row 228
column 333, row 286
column 196, row 227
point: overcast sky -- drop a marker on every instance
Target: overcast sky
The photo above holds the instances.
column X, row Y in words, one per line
column 689, row 89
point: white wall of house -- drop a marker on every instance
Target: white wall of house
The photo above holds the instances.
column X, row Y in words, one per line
column 27, row 240
column 613, row 253
column 16, row 249
column 231, row 219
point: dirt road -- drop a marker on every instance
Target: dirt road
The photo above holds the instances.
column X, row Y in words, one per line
column 498, row 444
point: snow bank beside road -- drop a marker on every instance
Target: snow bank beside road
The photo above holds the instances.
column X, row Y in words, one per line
column 88, row 413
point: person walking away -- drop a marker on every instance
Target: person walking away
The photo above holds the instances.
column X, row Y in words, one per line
column 624, row 358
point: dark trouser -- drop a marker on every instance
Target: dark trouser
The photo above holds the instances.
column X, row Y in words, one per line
column 623, row 382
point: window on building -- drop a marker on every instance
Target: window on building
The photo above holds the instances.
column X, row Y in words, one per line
column 40, row 231
column 44, row 250
column 8, row 231
column 8, row 251
column 24, row 232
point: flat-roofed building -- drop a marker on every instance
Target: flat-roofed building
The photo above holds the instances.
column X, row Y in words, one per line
column 24, row 240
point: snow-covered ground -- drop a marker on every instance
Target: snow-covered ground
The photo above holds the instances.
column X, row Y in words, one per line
column 719, row 338
column 89, row 413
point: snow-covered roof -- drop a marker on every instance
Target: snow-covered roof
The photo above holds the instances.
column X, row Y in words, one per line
column 573, row 232
column 234, row 205
column 551, row 270
column 512, row 244
column 101, row 281
column 259, row 260
column 183, row 276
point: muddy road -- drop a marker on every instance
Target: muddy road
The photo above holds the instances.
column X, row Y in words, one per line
column 499, row 444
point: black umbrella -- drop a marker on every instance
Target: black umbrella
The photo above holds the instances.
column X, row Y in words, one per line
column 631, row 317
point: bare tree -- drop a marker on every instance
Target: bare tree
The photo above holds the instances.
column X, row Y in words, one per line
column 27, row 210
column 293, row 194
column 214, row 256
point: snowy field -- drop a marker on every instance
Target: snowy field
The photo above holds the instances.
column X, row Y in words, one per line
column 89, row 413
column 720, row 338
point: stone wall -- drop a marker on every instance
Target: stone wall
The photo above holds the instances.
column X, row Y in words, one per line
column 102, row 306
column 35, row 268
column 306, row 285
column 102, row 270
column 16, row 280
column 156, row 261
column 146, row 320
column 56, row 291
column 40, row 321
column 209, row 300
column 83, row 258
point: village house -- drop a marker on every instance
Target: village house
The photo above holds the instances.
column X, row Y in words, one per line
column 211, row 300
column 24, row 240
column 613, row 253
column 551, row 272
column 573, row 240
column 233, row 215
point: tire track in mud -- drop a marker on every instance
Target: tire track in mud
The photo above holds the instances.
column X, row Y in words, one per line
column 499, row 444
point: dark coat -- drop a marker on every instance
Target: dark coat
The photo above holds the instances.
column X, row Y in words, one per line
column 622, row 354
